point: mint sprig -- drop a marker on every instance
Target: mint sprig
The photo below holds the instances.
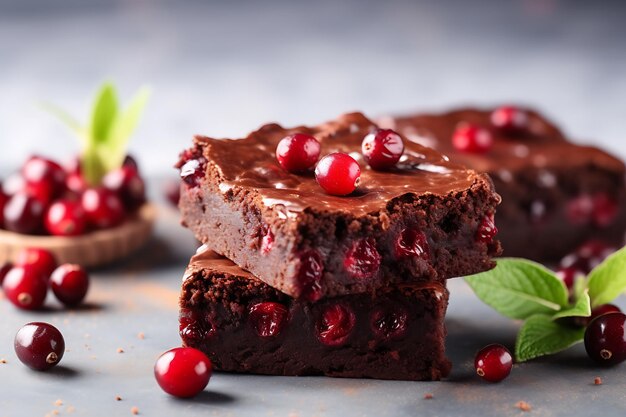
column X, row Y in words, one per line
column 104, row 139
column 525, row 290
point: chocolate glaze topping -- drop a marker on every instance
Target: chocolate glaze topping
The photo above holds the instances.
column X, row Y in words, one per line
column 251, row 164
column 541, row 145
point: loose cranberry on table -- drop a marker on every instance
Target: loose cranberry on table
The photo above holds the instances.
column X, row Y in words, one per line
column 25, row 287
column 493, row 363
column 338, row 174
column 38, row 259
column 510, row 119
column 183, row 372
column 298, row 152
column 472, row 138
column 65, row 218
column 268, row 319
column 335, row 324
column 70, row 284
column 103, row 208
column 40, row 346
column 605, row 339
column 23, row 214
column 128, row 185
column 382, row 149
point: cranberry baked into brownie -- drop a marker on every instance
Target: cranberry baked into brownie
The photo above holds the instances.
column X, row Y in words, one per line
column 556, row 195
column 244, row 325
column 422, row 220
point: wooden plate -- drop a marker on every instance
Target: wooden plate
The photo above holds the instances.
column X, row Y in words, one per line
column 91, row 250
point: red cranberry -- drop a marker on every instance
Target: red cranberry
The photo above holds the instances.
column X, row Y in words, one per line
column 25, row 287
column 40, row 346
column 193, row 328
column 568, row 276
column 103, row 208
column 362, row 259
column 411, row 243
column 579, row 210
column 493, row 363
column 604, row 309
column 39, row 259
column 268, row 319
column 298, row 152
column 382, row 149
column 605, row 339
column 76, row 183
column 338, row 174
column 193, row 171
column 510, row 119
column 38, row 169
column 267, row 241
column 13, row 184
column 131, row 162
column 183, row 372
column 335, row 324
column 128, row 185
column 69, row 284
column 472, row 138
column 65, row 218
column 310, row 275
column 73, row 165
column 23, row 214
column 487, row 230
column 3, row 201
column 4, row 270
column 389, row 323
column 172, row 192
column 605, row 210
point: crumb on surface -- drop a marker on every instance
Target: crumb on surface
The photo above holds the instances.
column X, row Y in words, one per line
column 120, row 350
column 118, row 398
column 2, row 360
column 55, row 412
column 141, row 335
column 70, row 409
column 523, row 405
column 428, row 396
column 134, row 411
column 58, row 403
column 597, row 381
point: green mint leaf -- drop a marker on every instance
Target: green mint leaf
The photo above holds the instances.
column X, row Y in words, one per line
column 582, row 308
column 580, row 286
column 103, row 114
column 608, row 280
column 540, row 336
column 123, row 127
column 519, row 288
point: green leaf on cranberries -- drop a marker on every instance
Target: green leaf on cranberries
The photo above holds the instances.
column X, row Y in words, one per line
column 608, row 280
column 105, row 139
column 540, row 336
column 518, row 289
column 582, row 308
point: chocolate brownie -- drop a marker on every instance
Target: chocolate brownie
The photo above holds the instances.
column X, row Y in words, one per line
column 246, row 326
column 425, row 220
column 556, row 194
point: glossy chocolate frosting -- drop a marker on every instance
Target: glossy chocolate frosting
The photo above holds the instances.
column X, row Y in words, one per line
column 542, row 145
column 250, row 164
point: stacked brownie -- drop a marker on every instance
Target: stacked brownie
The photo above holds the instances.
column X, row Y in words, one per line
column 294, row 281
column 556, row 194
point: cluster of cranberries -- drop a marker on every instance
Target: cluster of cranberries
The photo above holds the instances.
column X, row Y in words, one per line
column 46, row 198
column 26, row 282
column 339, row 173
column 474, row 138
